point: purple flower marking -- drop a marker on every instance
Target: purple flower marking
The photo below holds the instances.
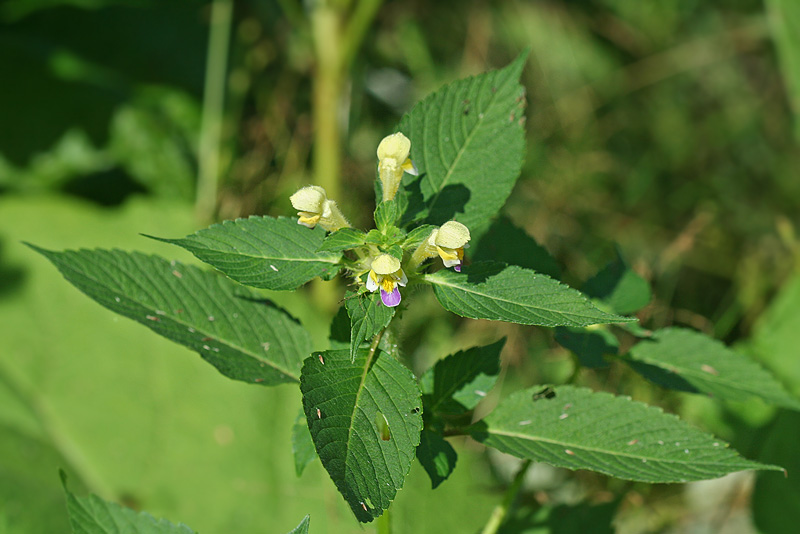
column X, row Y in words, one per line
column 457, row 268
column 391, row 299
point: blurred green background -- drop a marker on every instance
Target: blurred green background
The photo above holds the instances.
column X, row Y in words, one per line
column 668, row 129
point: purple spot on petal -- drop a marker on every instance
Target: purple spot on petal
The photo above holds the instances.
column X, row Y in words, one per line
column 457, row 268
column 391, row 299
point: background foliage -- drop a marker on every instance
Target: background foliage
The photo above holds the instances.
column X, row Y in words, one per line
column 665, row 130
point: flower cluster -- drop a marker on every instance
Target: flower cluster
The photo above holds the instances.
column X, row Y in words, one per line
column 384, row 271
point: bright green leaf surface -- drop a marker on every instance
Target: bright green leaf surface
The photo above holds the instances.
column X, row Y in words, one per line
column 341, row 400
column 343, row 239
column 508, row 293
column 302, row 445
column 234, row 329
column 619, row 286
column 93, row 515
column 459, row 382
column 581, row 429
column 437, row 456
column 302, row 528
column 368, row 316
column 467, row 140
column 388, row 213
column 263, row 251
column 711, row 367
column 506, row 243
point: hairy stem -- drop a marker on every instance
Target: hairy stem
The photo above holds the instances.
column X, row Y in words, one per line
column 500, row 511
column 213, row 109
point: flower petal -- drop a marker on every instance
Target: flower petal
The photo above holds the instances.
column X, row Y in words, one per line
column 372, row 285
column 391, row 299
column 410, row 168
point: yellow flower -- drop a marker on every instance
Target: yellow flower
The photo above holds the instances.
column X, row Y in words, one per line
column 447, row 242
column 314, row 208
column 450, row 241
column 393, row 161
column 385, row 274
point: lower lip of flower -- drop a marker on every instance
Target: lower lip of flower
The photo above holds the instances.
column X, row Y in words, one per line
column 391, row 299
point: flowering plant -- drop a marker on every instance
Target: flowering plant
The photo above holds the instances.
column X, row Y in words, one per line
column 441, row 179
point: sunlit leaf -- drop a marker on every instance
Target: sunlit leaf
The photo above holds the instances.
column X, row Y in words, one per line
column 368, row 316
column 578, row 428
column 231, row 327
column 499, row 292
column 302, row 528
column 342, row 400
column 263, row 251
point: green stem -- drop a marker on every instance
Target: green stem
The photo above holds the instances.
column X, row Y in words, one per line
column 500, row 511
column 213, row 108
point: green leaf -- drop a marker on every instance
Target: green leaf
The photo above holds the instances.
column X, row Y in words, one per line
column 590, row 346
column 368, row 316
column 577, row 428
column 459, row 382
column 562, row 519
column 619, row 287
column 234, row 329
column 436, row 456
column 263, row 251
column 302, row 528
column 416, row 236
column 467, row 140
column 388, row 213
column 302, row 445
column 506, row 243
column 499, row 292
column 342, row 401
column 776, row 496
column 711, row 367
column 93, row 515
column 341, row 240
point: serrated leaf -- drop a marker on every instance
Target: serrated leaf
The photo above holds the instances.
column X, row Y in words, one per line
column 619, row 287
column 93, row 515
column 302, row 528
column 342, row 401
column 263, row 252
column 416, row 236
column 233, row 328
column 590, row 346
column 343, row 239
column 302, row 445
column 367, row 315
column 388, row 213
column 509, row 293
column 467, row 141
column 436, row 456
column 506, row 243
column 460, row 381
column 577, row 428
column 711, row 367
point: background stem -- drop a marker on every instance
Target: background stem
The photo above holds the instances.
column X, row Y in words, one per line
column 213, row 109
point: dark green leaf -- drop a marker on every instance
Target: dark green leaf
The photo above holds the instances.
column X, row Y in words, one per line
column 619, row 287
column 436, row 456
column 302, row 445
column 467, row 140
column 562, row 519
column 234, row 329
column 263, row 251
column 785, row 24
column 343, row 239
column 458, row 383
column 368, row 316
column 506, row 243
column 342, row 400
column 711, row 367
column 578, row 428
column 93, row 515
column 590, row 346
column 499, row 292
column 776, row 495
